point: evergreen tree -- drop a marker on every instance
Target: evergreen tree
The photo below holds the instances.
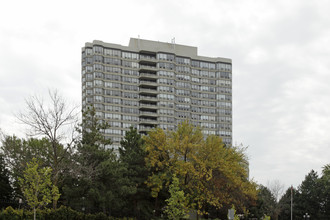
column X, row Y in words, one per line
column 96, row 182
column 132, row 155
column 325, row 192
column 308, row 198
column 285, row 204
column 6, row 191
column 264, row 204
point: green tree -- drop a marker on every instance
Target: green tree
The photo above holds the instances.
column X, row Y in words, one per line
column 264, row 204
column 132, row 155
column 37, row 187
column 324, row 182
column 16, row 152
column 285, row 204
column 308, row 197
column 176, row 205
column 6, row 191
column 96, row 177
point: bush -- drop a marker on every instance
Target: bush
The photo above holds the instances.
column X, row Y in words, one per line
column 65, row 213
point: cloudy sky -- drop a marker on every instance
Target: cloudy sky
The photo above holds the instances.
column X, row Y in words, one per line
column 280, row 52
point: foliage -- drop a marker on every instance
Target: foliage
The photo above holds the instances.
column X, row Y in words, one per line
column 132, row 155
column 312, row 197
column 209, row 173
column 265, row 203
column 37, row 187
column 19, row 151
column 6, row 191
column 308, row 198
column 285, row 204
column 96, row 182
column 324, row 182
column 52, row 121
column 53, row 214
column 176, row 205
column 266, row 217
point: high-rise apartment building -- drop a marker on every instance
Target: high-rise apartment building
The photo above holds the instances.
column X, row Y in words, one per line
column 150, row 83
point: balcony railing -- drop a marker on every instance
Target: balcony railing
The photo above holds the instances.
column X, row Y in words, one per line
column 144, row 57
column 147, row 90
column 148, row 74
column 148, row 120
column 148, row 97
column 147, row 105
column 147, row 67
column 147, row 113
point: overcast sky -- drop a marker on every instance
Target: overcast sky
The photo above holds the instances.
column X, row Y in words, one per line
column 280, row 52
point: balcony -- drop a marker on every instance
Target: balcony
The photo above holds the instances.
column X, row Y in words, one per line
column 148, row 91
column 148, row 58
column 148, row 106
column 146, row 75
column 148, row 82
column 144, row 129
column 148, row 113
column 148, row 121
column 148, row 67
column 148, row 97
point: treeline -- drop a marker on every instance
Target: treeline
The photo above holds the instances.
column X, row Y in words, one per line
column 161, row 175
column 312, row 196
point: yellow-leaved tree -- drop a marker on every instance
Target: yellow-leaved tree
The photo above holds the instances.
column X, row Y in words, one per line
column 209, row 173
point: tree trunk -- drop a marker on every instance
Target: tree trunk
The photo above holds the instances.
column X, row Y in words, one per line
column 34, row 214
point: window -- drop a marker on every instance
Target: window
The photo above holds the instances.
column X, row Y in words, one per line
column 112, row 108
column 111, row 52
column 164, row 56
column 195, row 63
column 89, row 51
column 98, row 50
column 98, row 67
column 98, row 98
column 98, row 58
column 98, row 83
column 112, row 61
column 128, row 55
column 112, row 116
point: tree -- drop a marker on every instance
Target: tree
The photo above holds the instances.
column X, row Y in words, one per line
column 132, row 155
column 285, row 204
column 176, row 205
column 17, row 152
column 265, row 203
column 324, row 182
column 51, row 122
column 37, row 187
column 6, row 191
column 308, row 197
column 209, row 173
column 276, row 188
column 96, row 175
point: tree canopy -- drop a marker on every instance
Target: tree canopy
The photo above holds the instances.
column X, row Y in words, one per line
column 209, row 173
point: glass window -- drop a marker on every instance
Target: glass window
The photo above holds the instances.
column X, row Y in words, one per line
column 98, row 50
column 112, row 52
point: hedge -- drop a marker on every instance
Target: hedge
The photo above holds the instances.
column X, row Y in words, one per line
column 65, row 213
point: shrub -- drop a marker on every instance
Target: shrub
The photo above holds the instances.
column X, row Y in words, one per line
column 65, row 213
